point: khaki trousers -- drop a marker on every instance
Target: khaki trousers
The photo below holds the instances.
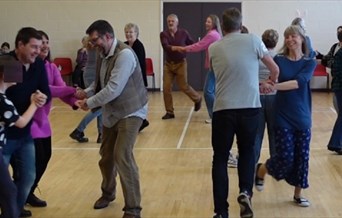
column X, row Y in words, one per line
column 176, row 71
column 117, row 157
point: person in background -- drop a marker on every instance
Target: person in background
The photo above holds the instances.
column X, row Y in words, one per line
column 236, row 109
column 175, row 65
column 81, row 60
column 40, row 128
column 333, row 60
column 120, row 91
column 19, row 140
column 266, row 114
column 132, row 34
column 301, row 23
column 293, row 126
column 89, row 78
column 214, row 33
column 5, row 48
column 244, row 29
column 10, row 117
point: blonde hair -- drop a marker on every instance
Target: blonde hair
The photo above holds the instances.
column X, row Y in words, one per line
column 294, row 30
column 134, row 26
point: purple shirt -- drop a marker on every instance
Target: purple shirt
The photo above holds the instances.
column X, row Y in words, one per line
column 40, row 127
column 82, row 57
column 211, row 37
column 180, row 38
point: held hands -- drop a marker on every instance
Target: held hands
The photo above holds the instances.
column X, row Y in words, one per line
column 38, row 98
column 266, row 86
column 178, row 49
column 82, row 104
column 80, row 93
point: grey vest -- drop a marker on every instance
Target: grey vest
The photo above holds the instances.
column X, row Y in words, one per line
column 132, row 98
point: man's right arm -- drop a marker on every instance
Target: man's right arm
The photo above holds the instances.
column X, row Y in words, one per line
column 165, row 42
column 272, row 66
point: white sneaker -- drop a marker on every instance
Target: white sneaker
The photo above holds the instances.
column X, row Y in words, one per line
column 208, row 121
column 232, row 161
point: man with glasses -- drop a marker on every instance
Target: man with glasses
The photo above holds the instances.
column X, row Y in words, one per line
column 120, row 91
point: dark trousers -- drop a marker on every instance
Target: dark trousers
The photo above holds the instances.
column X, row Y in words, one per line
column 77, row 77
column 8, row 192
column 225, row 125
column 43, row 155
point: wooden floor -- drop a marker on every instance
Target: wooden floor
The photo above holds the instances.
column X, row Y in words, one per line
column 174, row 157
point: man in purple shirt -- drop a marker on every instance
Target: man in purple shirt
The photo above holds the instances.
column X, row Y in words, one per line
column 175, row 66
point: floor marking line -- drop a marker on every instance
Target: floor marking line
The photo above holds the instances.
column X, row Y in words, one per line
column 185, row 129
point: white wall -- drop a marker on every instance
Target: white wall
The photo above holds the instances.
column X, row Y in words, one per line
column 66, row 20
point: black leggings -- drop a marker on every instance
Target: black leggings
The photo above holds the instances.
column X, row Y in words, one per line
column 43, row 155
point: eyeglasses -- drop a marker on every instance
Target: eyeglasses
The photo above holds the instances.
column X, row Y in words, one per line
column 94, row 40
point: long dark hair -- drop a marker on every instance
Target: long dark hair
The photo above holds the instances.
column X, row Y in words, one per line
column 42, row 33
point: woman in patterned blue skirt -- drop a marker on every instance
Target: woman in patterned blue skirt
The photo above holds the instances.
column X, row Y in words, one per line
column 293, row 116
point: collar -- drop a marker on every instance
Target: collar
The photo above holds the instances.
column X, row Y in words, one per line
column 112, row 49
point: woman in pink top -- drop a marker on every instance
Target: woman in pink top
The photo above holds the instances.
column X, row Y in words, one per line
column 214, row 34
column 41, row 129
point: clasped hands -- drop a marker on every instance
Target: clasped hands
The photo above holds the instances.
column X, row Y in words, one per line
column 266, row 86
column 82, row 96
column 180, row 49
column 38, row 98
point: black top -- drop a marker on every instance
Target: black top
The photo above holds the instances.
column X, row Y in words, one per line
column 35, row 78
column 139, row 50
column 8, row 117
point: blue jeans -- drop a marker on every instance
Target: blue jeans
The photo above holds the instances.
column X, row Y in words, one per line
column 8, row 192
column 225, row 124
column 209, row 92
column 88, row 118
column 24, row 152
column 266, row 116
column 336, row 136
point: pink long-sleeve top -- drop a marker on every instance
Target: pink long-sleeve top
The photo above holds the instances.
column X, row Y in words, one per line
column 211, row 37
column 40, row 127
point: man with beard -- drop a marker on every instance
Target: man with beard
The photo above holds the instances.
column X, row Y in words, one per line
column 120, row 91
column 175, row 66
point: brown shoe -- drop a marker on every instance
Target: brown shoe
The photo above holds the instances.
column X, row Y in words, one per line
column 168, row 116
column 102, row 202
column 198, row 105
column 126, row 215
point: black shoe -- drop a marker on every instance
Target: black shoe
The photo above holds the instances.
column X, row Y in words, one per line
column 198, row 105
column 218, row 215
column 25, row 213
column 34, row 201
column 99, row 138
column 246, row 210
column 168, row 116
column 78, row 136
column 335, row 149
column 144, row 124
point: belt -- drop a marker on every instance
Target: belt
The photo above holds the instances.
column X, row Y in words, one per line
column 176, row 62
